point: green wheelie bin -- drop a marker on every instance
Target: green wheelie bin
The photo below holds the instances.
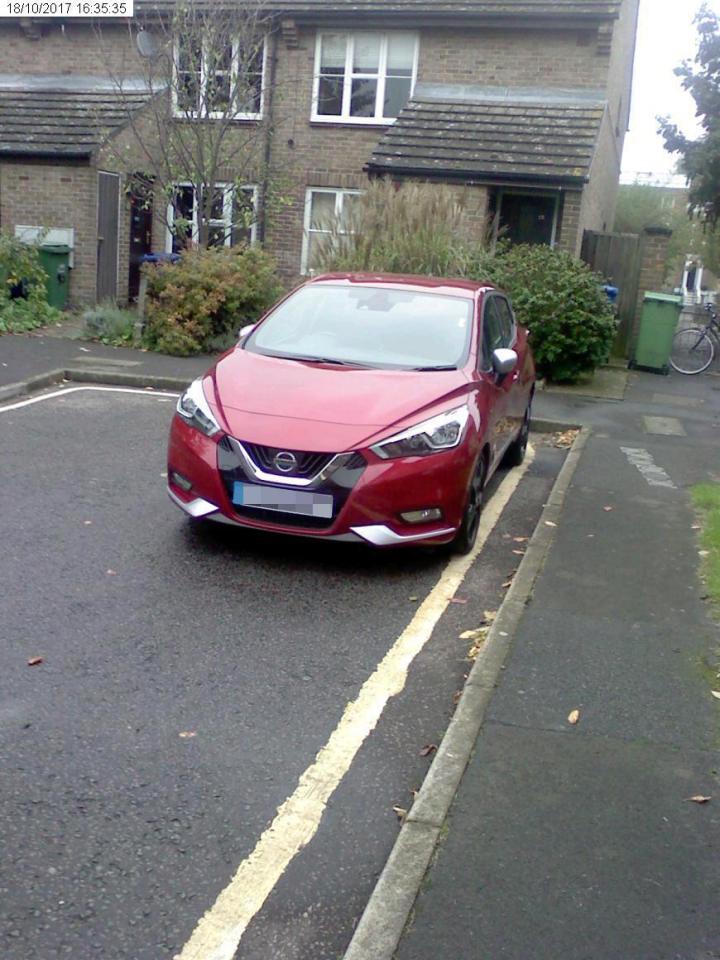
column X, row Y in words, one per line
column 55, row 259
column 658, row 324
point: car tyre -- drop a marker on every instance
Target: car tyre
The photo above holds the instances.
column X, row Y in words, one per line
column 467, row 534
column 515, row 453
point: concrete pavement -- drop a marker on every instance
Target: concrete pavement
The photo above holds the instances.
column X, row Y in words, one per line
column 579, row 840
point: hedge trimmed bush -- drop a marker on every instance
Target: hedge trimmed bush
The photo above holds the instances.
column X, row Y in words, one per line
column 23, row 288
column 198, row 304
column 560, row 300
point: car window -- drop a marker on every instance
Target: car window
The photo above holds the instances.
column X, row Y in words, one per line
column 507, row 320
column 385, row 327
column 492, row 332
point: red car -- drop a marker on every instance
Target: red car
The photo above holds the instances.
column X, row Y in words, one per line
column 369, row 408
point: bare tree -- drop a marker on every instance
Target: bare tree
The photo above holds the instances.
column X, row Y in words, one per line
column 203, row 135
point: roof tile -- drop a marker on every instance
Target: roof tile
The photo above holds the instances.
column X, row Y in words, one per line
column 492, row 139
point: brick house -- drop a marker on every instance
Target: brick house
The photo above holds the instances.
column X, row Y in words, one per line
column 523, row 102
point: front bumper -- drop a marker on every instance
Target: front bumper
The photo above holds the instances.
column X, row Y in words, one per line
column 379, row 535
column 370, row 494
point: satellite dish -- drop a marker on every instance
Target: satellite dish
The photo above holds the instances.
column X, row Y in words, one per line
column 146, row 44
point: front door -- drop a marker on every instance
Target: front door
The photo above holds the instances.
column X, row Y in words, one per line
column 141, row 221
column 108, row 222
column 527, row 218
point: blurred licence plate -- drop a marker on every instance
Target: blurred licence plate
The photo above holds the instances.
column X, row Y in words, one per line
column 284, row 501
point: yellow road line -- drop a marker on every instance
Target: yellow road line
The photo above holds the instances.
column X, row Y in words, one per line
column 219, row 932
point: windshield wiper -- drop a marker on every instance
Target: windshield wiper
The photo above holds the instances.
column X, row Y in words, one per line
column 429, row 369
column 332, row 360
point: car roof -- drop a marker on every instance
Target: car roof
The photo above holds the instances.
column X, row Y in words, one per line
column 447, row 286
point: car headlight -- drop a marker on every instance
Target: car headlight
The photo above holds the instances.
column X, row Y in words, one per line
column 431, row 436
column 195, row 410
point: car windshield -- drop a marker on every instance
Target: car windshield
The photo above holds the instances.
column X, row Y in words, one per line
column 368, row 326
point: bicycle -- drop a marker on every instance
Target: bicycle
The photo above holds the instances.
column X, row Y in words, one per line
column 693, row 348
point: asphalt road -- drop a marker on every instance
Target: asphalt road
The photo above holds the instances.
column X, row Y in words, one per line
column 117, row 833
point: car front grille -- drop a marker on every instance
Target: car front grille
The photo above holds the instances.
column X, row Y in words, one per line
column 308, row 464
column 338, row 484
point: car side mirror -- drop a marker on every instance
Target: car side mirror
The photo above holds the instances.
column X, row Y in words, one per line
column 246, row 331
column 504, row 361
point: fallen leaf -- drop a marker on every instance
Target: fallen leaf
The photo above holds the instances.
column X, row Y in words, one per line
column 519, row 553
column 520, row 539
column 566, row 438
column 475, row 649
column 88, row 523
column 84, row 350
column 716, row 694
column 428, row 749
column 698, row 799
column 549, row 523
column 608, row 509
column 703, row 553
column 696, row 526
column 508, row 583
column 35, row 661
column 459, row 600
column 574, row 717
column 400, row 813
column 489, row 616
column 481, row 632
column 111, row 573
column 412, row 598
column 186, row 734
column 456, row 697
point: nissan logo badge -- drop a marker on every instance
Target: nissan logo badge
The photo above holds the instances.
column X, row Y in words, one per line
column 285, row 461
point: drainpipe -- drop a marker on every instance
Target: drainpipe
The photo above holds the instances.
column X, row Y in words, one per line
column 268, row 139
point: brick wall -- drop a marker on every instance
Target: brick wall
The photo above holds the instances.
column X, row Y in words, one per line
column 517, row 58
column 71, row 47
column 600, row 195
column 654, row 244
column 570, row 234
column 43, row 195
column 620, row 69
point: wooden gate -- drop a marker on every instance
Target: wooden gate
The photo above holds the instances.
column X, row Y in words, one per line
column 618, row 258
column 108, row 222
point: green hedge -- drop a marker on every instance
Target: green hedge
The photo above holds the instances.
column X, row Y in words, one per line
column 560, row 300
column 198, row 304
column 23, row 288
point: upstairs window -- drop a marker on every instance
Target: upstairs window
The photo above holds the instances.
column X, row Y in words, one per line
column 219, row 83
column 363, row 77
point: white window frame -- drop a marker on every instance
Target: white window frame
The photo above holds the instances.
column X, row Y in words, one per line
column 348, row 76
column 219, row 114
column 226, row 222
column 340, row 193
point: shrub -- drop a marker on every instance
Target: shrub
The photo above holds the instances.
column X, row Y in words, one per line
column 559, row 299
column 198, row 304
column 110, row 324
column 23, row 288
column 409, row 229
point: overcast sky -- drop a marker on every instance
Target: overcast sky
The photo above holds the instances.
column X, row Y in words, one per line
column 666, row 37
